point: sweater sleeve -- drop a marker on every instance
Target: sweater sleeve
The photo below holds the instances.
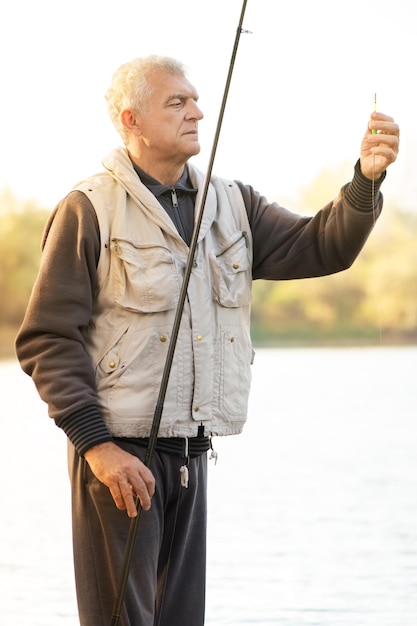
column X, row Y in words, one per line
column 50, row 345
column 290, row 246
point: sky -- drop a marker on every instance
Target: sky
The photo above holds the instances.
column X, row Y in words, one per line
column 301, row 94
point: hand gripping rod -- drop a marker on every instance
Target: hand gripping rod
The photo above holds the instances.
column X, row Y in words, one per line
column 130, row 544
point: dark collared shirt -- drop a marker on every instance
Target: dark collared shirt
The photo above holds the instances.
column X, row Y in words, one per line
column 177, row 201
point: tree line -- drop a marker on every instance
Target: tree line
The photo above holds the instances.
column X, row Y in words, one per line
column 373, row 301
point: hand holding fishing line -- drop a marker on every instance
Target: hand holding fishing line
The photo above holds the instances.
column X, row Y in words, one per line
column 380, row 145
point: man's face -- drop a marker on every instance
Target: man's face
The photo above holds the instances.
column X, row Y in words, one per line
column 169, row 127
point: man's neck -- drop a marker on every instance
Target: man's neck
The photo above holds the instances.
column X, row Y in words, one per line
column 166, row 174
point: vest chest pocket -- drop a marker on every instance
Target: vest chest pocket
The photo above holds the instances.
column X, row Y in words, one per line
column 144, row 276
column 232, row 273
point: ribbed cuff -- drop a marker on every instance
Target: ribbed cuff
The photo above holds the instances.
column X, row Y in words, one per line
column 85, row 428
column 361, row 192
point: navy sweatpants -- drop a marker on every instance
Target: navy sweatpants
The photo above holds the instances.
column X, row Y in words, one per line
column 166, row 585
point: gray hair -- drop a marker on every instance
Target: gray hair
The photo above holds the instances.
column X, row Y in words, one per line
column 130, row 87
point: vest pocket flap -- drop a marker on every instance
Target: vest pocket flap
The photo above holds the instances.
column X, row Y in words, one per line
column 145, row 277
column 234, row 258
column 110, row 363
column 232, row 275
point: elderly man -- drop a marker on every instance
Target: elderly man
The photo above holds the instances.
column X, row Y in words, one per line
column 99, row 321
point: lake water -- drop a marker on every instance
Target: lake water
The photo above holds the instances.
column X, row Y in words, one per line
column 312, row 510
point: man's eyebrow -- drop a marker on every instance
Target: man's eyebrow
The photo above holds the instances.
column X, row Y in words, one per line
column 182, row 97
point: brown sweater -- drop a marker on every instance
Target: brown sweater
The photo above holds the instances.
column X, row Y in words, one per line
column 50, row 342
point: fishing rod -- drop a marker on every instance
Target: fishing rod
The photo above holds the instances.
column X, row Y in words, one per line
column 134, row 525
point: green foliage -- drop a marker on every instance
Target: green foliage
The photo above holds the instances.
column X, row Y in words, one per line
column 21, row 226
column 375, row 298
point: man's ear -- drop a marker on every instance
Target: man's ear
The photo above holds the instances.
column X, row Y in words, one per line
column 130, row 121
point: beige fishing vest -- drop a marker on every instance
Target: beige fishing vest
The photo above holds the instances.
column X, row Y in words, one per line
column 140, row 273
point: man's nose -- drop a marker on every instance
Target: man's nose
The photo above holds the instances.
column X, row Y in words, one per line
column 194, row 111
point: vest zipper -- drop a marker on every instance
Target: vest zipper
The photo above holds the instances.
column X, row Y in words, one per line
column 243, row 235
column 178, row 217
column 174, row 198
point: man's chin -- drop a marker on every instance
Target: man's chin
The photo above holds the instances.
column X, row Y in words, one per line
column 195, row 149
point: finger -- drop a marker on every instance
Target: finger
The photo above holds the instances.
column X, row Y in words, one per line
column 384, row 145
column 383, row 127
column 386, row 156
column 376, row 115
column 124, row 499
column 143, row 485
column 129, row 500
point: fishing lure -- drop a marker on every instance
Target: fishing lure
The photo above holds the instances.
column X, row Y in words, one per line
column 373, row 130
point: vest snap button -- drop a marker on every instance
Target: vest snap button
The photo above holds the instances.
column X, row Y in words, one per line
column 112, row 364
column 236, row 266
column 199, row 337
column 162, row 338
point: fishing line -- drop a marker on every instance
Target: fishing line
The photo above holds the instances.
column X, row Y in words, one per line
column 378, row 298
column 374, row 132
